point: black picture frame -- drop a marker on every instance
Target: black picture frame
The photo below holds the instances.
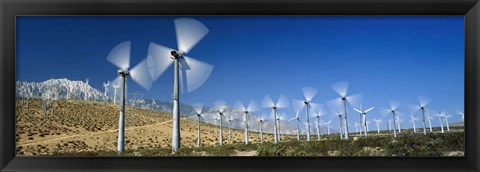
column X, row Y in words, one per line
column 9, row 9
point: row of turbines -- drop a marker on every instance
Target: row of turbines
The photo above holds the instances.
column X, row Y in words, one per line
column 190, row 73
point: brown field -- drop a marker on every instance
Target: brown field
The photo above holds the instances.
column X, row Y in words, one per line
column 77, row 126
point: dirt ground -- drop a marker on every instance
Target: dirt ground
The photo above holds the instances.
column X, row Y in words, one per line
column 74, row 126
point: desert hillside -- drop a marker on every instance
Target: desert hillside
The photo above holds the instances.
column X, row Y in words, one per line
column 75, row 125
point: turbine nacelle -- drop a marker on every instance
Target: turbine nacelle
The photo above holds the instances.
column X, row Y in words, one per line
column 123, row 72
column 176, row 54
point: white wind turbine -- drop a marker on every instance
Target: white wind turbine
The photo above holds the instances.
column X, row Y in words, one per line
column 389, row 125
column 308, row 93
column 261, row 120
column 363, row 115
column 120, row 57
column 341, row 88
column 393, row 109
column 230, row 118
column 399, row 120
column 282, row 102
column 194, row 72
column 414, row 108
column 154, row 104
column 328, row 126
column 252, row 106
column 368, row 123
column 221, row 106
column 279, row 120
column 297, row 119
column 440, row 116
column 378, row 121
column 413, row 119
column 198, row 109
column 429, row 118
column 446, row 121
column 319, row 113
column 85, row 89
column 356, row 126
column 105, row 86
column 462, row 115
column 115, row 87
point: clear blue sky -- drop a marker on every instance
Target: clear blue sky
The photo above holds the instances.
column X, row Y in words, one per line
column 383, row 57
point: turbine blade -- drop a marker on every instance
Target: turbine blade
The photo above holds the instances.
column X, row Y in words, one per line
column 341, row 88
column 423, row 101
column 158, row 59
column 335, row 105
column 239, row 105
column 252, row 106
column 282, row 102
column 189, row 32
column 220, row 105
column 292, row 118
column 141, row 76
column 413, row 108
column 355, row 100
column 298, row 105
column 309, row 93
column 198, row 107
column 357, row 110
column 197, row 73
column 120, row 55
column 267, row 102
column 393, row 104
column 369, row 109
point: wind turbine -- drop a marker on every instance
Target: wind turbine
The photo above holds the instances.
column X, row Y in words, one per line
column 120, row 57
column 430, row 122
column 297, row 119
column 308, row 93
column 413, row 119
column 440, row 116
column 282, row 102
column 389, row 123
column 85, row 89
column 154, row 104
column 462, row 115
column 230, row 118
column 393, row 107
column 279, row 119
column 368, row 123
column 115, row 87
column 261, row 120
column 252, row 106
column 356, row 126
column 198, row 109
column 194, row 72
column 319, row 113
column 341, row 88
column 221, row 106
column 423, row 103
column 363, row 114
column 105, row 85
column 378, row 121
column 399, row 120
column 328, row 126
column 446, row 116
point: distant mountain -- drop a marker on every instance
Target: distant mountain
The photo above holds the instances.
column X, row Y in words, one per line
column 56, row 89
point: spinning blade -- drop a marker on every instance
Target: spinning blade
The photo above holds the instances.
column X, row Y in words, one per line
column 120, row 55
column 309, row 93
column 341, row 88
column 141, row 76
column 189, row 32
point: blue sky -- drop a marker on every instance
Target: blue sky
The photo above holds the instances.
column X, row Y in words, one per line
column 384, row 57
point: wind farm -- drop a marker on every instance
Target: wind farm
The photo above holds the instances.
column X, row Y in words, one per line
column 235, row 101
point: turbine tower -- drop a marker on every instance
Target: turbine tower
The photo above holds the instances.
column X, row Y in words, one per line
column 440, row 116
column 252, row 106
column 282, row 102
column 297, row 119
column 221, row 106
column 363, row 114
column 414, row 108
column 115, row 87
column 413, row 119
column 105, row 85
column 194, row 72
column 430, row 122
column 198, row 109
column 393, row 107
column 378, row 121
column 320, row 111
column 120, row 57
column 261, row 120
column 328, row 126
column 341, row 88
column 308, row 93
